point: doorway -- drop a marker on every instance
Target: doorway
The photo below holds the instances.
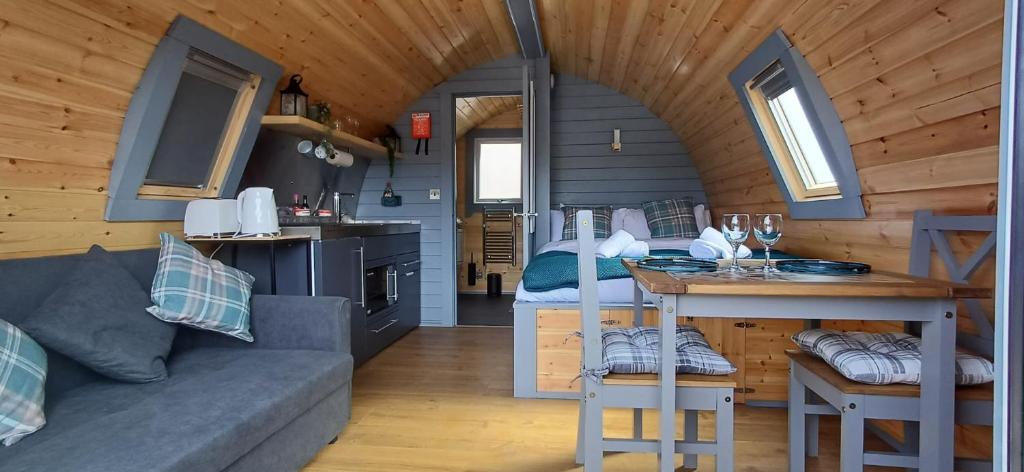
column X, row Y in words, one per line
column 489, row 194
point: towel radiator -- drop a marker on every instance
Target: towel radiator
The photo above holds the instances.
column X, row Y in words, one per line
column 499, row 237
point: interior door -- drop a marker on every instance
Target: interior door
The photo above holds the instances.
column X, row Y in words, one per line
column 529, row 151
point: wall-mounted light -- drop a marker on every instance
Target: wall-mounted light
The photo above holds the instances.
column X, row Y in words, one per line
column 616, row 140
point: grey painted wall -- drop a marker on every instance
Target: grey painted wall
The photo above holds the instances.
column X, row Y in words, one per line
column 276, row 164
column 652, row 164
column 415, row 175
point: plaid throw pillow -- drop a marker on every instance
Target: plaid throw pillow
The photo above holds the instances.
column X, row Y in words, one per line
column 884, row 358
column 602, row 221
column 193, row 290
column 671, row 218
column 22, row 377
column 635, row 351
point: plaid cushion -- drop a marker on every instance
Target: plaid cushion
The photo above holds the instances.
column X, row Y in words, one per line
column 22, row 377
column 671, row 218
column 602, row 221
column 191, row 289
column 884, row 358
column 635, row 351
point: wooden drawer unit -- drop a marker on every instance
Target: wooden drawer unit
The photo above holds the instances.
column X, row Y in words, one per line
column 755, row 346
column 558, row 350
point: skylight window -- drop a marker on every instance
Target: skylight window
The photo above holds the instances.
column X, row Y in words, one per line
column 803, row 145
column 498, row 170
column 799, row 131
column 794, row 146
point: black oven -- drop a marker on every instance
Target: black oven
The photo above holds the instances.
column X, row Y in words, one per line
column 381, row 287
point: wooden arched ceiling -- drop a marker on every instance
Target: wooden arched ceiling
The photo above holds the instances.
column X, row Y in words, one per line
column 368, row 58
column 470, row 112
column 674, row 55
column 668, row 54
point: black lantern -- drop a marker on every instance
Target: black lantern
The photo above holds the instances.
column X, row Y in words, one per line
column 293, row 99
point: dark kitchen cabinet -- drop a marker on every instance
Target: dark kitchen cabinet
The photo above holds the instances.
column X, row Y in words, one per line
column 340, row 275
column 409, row 290
column 379, row 274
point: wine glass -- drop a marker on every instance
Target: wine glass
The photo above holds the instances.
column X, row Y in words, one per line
column 736, row 229
column 768, row 230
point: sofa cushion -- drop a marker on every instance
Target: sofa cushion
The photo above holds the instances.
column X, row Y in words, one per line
column 192, row 289
column 22, row 376
column 215, row 406
column 97, row 316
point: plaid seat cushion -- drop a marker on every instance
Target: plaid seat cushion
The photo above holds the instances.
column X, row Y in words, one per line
column 193, row 290
column 884, row 358
column 22, row 377
column 635, row 351
column 671, row 218
column 602, row 221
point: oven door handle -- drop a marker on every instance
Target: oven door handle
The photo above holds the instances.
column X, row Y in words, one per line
column 392, row 282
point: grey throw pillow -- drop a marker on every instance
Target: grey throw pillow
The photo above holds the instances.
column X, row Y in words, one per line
column 97, row 316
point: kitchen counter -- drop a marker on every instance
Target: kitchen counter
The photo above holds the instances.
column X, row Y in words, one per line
column 330, row 230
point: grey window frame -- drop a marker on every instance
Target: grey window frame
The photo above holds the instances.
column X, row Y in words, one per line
column 476, row 142
column 150, row 106
column 824, row 120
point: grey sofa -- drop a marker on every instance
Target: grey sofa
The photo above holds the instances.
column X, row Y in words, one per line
column 227, row 405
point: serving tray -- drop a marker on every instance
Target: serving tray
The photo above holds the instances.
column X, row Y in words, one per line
column 677, row 264
column 822, row 267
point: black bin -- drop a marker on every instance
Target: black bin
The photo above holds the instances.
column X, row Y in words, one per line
column 493, row 285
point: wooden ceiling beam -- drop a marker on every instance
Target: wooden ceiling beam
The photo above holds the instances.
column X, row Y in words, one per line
column 527, row 26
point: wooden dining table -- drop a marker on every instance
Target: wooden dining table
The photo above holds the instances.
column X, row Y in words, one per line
column 876, row 296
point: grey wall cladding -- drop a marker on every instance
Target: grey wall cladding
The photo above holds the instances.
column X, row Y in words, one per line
column 415, row 175
column 652, row 164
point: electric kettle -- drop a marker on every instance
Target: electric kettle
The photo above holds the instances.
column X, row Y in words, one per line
column 257, row 212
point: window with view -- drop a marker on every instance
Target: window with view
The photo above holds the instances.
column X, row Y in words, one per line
column 498, row 170
column 795, row 147
column 799, row 131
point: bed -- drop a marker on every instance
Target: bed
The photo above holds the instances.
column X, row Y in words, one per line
column 544, row 317
column 611, row 291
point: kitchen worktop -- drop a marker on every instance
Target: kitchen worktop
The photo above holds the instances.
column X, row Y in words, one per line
column 332, row 230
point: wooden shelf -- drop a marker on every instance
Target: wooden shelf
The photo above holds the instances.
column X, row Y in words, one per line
column 309, row 129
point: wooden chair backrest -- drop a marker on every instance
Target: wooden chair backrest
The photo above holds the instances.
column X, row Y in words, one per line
column 590, row 310
column 930, row 231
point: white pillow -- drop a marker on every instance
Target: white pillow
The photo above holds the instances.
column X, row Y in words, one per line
column 703, row 221
column 615, row 244
column 631, row 220
column 557, row 222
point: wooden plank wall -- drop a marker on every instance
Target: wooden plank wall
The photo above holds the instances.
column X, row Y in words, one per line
column 652, row 164
column 69, row 68
column 917, row 87
column 915, row 82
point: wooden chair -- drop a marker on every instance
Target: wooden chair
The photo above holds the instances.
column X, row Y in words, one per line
column 694, row 393
column 816, row 389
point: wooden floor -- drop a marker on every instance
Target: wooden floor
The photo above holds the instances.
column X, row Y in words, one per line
column 441, row 400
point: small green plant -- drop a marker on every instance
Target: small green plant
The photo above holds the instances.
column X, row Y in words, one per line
column 323, row 113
